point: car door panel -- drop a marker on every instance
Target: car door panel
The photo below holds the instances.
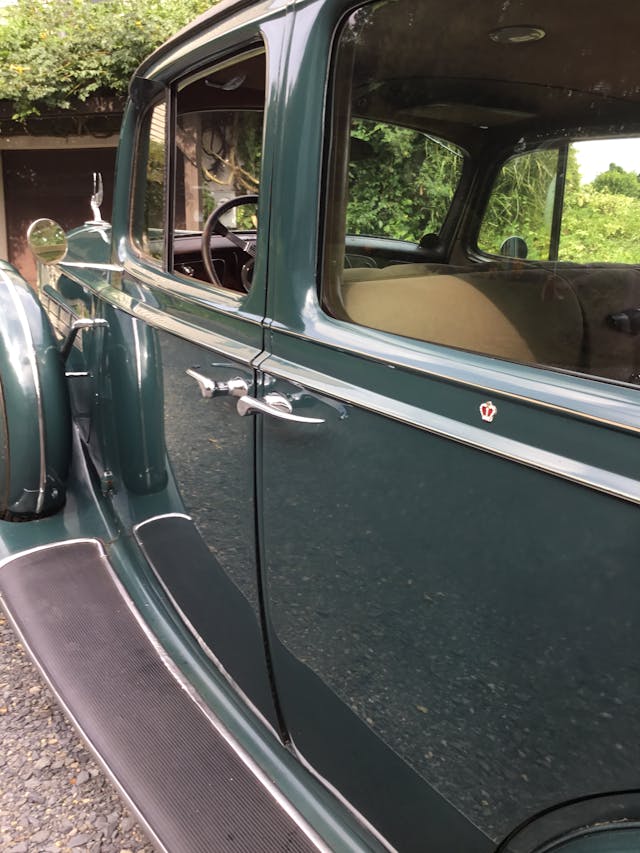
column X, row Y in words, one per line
column 463, row 605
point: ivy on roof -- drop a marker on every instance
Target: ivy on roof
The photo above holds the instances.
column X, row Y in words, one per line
column 54, row 53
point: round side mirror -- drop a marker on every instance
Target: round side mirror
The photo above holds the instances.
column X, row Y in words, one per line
column 47, row 241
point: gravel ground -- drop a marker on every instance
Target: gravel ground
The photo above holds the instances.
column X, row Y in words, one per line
column 53, row 796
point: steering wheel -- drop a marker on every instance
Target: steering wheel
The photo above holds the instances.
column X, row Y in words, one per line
column 214, row 226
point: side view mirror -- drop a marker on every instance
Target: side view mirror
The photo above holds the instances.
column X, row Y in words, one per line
column 514, row 247
column 47, row 241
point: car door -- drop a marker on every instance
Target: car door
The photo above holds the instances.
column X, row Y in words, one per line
column 448, row 529
column 194, row 327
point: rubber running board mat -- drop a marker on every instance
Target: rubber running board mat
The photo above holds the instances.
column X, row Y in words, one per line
column 178, row 771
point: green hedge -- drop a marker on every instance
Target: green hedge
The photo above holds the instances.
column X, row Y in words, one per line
column 54, row 52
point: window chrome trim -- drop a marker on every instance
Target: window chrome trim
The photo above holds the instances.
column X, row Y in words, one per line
column 555, row 464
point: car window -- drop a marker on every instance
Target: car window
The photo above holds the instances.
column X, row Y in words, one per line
column 476, row 202
column 591, row 186
column 401, row 181
column 218, row 154
column 150, row 200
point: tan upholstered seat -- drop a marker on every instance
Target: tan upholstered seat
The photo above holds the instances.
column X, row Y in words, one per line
column 526, row 315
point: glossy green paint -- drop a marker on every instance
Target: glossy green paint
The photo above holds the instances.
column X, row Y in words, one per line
column 415, row 559
column 88, row 514
column 405, row 538
column 35, row 423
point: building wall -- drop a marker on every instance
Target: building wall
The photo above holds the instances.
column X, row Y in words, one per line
column 49, row 177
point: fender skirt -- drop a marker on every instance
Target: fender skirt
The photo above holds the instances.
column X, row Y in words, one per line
column 35, row 426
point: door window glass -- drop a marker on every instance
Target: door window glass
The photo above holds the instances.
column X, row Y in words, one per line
column 482, row 189
column 218, row 154
column 517, row 221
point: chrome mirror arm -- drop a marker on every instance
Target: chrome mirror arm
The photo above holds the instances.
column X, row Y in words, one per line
column 77, row 326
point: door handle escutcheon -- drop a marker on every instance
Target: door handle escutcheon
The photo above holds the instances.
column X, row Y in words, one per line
column 208, row 388
column 275, row 405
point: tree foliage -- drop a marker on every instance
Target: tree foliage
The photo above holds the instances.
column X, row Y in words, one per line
column 54, row 52
column 617, row 182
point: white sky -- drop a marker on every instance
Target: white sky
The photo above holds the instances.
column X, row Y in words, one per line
column 595, row 156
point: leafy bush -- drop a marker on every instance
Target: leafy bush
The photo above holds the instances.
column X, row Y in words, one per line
column 53, row 52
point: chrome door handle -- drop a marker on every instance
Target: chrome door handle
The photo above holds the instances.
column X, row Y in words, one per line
column 275, row 405
column 208, row 388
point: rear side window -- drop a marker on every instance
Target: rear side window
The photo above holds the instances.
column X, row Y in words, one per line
column 482, row 186
column 401, row 181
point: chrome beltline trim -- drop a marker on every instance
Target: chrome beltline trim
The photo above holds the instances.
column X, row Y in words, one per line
column 507, row 448
column 192, row 629
column 26, row 331
column 485, row 388
column 67, row 712
column 164, row 322
column 188, row 688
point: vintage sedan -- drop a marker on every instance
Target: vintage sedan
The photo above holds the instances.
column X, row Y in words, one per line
column 320, row 467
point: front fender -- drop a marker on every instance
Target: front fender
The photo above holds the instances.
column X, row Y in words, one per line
column 35, row 424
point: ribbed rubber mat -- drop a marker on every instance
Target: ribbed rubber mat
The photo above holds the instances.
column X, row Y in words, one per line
column 183, row 777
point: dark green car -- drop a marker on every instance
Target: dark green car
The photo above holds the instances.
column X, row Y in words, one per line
column 320, row 468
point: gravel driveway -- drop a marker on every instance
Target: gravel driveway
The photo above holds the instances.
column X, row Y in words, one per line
column 53, row 796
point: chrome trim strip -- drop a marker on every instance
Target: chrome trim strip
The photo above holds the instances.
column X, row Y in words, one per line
column 85, row 265
column 481, row 439
column 79, row 541
column 228, row 347
column 216, row 298
column 140, row 524
column 410, row 365
column 336, row 793
column 188, row 688
column 26, row 331
column 67, row 712
column 205, row 648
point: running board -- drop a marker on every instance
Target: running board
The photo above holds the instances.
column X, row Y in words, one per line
column 191, row 784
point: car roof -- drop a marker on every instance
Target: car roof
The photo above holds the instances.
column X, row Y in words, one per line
column 217, row 12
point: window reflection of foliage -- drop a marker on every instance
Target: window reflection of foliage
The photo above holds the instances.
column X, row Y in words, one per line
column 401, row 182
column 601, row 220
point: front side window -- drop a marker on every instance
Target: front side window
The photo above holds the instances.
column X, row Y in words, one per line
column 482, row 186
column 218, row 157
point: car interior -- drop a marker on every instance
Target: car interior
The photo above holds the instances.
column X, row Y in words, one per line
column 498, row 95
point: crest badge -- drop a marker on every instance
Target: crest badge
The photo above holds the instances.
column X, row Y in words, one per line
column 488, row 411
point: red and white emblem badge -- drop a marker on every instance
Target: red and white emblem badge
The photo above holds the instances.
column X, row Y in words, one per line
column 488, row 411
